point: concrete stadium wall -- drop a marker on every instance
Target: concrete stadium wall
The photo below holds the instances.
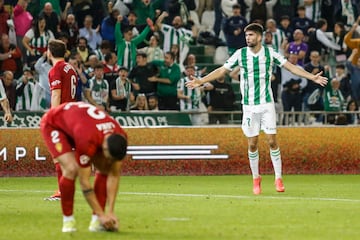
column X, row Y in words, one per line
column 307, row 150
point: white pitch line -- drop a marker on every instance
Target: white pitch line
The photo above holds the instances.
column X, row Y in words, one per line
column 159, row 194
column 238, row 196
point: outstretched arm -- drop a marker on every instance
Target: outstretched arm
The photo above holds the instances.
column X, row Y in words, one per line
column 321, row 80
column 217, row 73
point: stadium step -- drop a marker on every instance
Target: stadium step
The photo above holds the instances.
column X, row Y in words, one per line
column 204, row 59
column 197, row 49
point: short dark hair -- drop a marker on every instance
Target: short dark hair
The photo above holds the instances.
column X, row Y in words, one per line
column 340, row 65
column 99, row 65
column 57, row 48
column 256, row 27
column 108, row 57
column 141, row 54
column 236, row 5
column 117, row 145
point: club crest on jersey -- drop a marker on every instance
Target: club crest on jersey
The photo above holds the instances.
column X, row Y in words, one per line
column 58, row 147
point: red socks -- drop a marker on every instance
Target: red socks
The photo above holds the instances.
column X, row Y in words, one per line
column 59, row 172
column 100, row 189
column 67, row 189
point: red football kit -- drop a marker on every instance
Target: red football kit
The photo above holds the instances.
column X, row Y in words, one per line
column 63, row 76
column 77, row 125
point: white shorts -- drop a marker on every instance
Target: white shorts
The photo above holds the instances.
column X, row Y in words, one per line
column 257, row 118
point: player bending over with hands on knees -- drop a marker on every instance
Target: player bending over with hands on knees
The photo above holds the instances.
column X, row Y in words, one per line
column 256, row 63
column 77, row 135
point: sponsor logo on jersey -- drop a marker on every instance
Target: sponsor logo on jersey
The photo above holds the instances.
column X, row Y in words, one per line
column 55, row 83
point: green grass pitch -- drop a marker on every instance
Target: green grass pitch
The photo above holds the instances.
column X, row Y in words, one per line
column 193, row 207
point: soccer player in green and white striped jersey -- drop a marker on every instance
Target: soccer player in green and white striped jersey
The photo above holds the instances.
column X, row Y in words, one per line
column 5, row 103
column 256, row 63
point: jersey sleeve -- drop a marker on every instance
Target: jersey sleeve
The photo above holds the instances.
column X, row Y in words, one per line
column 278, row 59
column 233, row 61
column 54, row 79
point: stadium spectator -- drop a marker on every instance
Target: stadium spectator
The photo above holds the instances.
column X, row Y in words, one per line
column 191, row 61
column 298, row 46
column 97, row 93
column 258, row 12
column 4, row 16
column 140, row 75
column 24, row 91
column 338, row 36
column 56, row 5
column 42, row 94
column 286, row 28
column 146, row 9
column 176, row 34
column 111, row 71
column 352, row 118
column 344, row 78
column 354, row 71
column 333, row 100
column 153, row 103
column 68, row 24
column 189, row 99
column 313, row 93
column 126, row 45
column 302, row 22
column 10, row 88
column 105, row 48
column 63, row 82
column 353, row 42
column 82, row 49
column 22, row 23
column 292, row 85
column 108, row 26
column 122, row 95
column 102, row 147
column 36, row 41
column 10, row 56
column 221, row 98
column 284, row 8
column 153, row 51
column 179, row 8
column 313, row 9
column 92, row 35
column 318, row 41
column 167, row 79
column 279, row 39
column 346, row 12
column 4, row 102
column 254, row 115
column 51, row 18
column 234, row 30
column 90, row 65
column 130, row 21
column 141, row 103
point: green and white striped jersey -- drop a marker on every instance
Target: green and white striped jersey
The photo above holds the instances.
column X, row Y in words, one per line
column 193, row 94
column 2, row 91
column 255, row 73
column 181, row 37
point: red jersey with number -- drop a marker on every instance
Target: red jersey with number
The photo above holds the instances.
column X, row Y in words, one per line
column 64, row 77
column 77, row 125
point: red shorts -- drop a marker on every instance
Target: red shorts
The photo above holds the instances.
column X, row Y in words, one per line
column 56, row 141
